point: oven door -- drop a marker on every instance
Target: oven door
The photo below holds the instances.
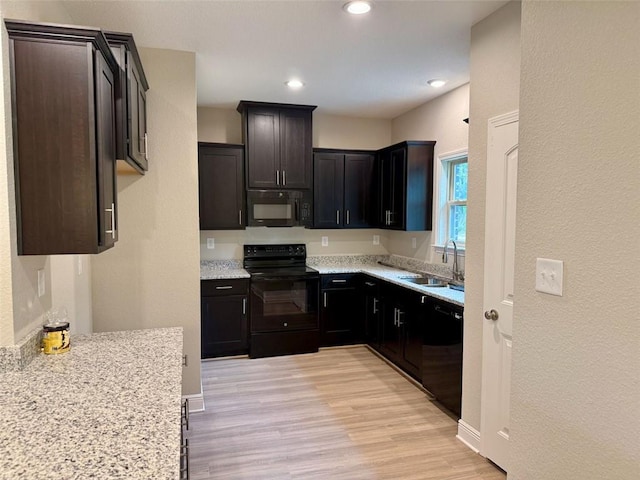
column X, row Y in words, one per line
column 284, row 303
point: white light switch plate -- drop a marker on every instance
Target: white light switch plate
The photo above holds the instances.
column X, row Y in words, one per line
column 325, row 241
column 211, row 243
column 549, row 276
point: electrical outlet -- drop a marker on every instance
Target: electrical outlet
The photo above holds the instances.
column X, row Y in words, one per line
column 376, row 239
column 41, row 283
column 211, row 243
column 325, row 241
column 414, row 243
column 549, row 275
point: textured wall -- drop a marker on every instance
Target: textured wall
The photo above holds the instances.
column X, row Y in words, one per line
column 439, row 120
column 20, row 307
column 575, row 411
column 495, row 81
column 151, row 277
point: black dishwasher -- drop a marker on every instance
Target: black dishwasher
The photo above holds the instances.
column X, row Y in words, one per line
column 442, row 353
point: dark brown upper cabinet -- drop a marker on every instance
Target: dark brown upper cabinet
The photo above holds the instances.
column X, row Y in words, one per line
column 131, row 102
column 63, row 82
column 221, row 186
column 278, row 142
column 406, row 186
column 344, row 188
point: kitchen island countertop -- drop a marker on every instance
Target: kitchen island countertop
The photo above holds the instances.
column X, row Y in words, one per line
column 107, row 409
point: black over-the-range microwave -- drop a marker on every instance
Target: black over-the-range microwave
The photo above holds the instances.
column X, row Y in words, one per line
column 279, row 208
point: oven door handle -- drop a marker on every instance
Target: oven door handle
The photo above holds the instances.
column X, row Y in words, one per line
column 284, row 278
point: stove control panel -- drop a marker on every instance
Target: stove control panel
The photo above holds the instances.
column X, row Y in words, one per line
column 297, row 250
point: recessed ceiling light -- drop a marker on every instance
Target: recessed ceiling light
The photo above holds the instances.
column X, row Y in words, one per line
column 357, row 7
column 294, row 83
column 436, row 83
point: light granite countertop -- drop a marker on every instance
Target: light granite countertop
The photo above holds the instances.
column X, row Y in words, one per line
column 341, row 264
column 107, row 409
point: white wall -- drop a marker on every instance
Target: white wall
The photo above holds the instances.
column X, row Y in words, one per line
column 441, row 120
column 495, row 87
column 575, row 404
column 151, row 277
column 71, row 289
column 228, row 243
column 20, row 307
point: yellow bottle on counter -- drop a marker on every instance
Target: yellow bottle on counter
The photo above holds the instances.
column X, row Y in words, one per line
column 55, row 338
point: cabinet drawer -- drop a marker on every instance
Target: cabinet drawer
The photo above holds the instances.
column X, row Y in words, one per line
column 339, row 280
column 235, row 286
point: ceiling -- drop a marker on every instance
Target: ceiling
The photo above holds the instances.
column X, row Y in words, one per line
column 375, row 65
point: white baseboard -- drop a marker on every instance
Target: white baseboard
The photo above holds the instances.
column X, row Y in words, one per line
column 468, row 435
column 196, row 402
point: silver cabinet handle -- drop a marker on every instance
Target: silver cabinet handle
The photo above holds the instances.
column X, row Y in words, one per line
column 395, row 317
column 375, row 306
column 457, row 316
column 240, row 217
column 338, row 281
column 224, row 287
column 348, row 217
column 400, row 322
column 324, row 299
column 277, row 177
column 423, row 299
column 337, row 217
column 112, row 210
column 284, row 177
column 146, row 146
column 244, row 306
column 370, row 284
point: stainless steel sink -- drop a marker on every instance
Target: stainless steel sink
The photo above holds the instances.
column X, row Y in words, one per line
column 427, row 281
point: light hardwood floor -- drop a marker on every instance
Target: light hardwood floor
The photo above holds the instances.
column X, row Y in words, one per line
column 337, row 414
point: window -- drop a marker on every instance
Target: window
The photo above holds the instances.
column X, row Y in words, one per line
column 457, row 200
column 452, row 205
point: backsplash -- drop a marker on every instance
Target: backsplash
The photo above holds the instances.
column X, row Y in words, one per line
column 16, row 357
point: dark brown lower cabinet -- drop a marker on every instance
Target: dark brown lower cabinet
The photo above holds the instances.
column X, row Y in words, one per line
column 341, row 310
column 224, row 317
column 401, row 328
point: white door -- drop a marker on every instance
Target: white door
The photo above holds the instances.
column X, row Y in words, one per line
column 500, row 222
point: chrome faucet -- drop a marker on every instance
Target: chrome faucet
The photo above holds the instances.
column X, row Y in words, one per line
column 457, row 275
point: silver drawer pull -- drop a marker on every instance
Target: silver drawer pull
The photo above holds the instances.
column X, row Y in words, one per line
column 338, row 281
column 370, row 284
column 224, row 287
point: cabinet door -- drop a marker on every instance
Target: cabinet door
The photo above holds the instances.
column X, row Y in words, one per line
column 221, row 187
column 106, row 156
column 295, row 149
column 359, row 191
column 263, row 149
column 339, row 316
column 411, row 321
column 137, row 112
column 390, row 337
column 224, row 326
column 371, row 300
column 397, row 194
column 328, row 170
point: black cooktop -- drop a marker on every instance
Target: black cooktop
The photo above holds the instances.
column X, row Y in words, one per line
column 277, row 260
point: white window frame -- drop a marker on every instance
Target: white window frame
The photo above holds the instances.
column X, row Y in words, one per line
column 444, row 163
